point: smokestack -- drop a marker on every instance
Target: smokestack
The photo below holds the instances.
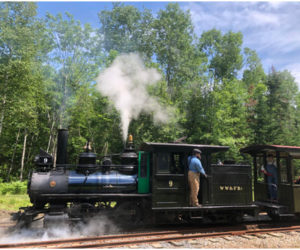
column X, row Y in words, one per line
column 62, row 143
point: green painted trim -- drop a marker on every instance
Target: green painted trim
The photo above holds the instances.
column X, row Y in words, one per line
column 143, row 182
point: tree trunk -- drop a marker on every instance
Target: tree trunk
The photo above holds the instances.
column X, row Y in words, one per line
column 63, row 115
column 3, row 100
column 2, row 113
column 23, row 155
column 50, row 136
column 54, row 152
column 13, row 156
column 30, row 149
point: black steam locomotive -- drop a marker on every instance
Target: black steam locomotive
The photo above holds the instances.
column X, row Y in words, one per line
column 148, row 186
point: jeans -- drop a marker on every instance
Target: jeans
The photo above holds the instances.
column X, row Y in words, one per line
column 272, row 181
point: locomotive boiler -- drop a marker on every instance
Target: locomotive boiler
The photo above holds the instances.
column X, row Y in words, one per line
column 64, row 182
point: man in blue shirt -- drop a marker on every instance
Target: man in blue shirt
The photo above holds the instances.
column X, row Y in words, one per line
column 270, row 170
column 195, row 168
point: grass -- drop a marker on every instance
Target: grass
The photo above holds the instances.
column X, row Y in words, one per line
column 13, row 195
column 12, row 202
column 14, row 187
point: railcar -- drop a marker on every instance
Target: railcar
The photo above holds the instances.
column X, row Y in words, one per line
column 287, row 159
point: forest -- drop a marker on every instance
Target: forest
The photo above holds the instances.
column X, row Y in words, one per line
column 217, row 88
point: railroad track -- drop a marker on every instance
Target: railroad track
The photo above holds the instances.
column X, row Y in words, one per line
column 114, row 241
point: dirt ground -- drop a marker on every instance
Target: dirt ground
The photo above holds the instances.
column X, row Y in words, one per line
column 5, row 216
column 271, row 240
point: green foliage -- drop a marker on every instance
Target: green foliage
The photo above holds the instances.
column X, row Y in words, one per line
column 125, row 29
column 15, row 187
column 281, row 102
column 174, row 48
column 224, row 52
column 254, row 73
column 48, row 69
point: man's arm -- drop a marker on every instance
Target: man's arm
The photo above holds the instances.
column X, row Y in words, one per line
column 199, row 167
column 265, row 171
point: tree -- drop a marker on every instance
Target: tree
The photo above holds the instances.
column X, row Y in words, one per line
column 18, row 46
column 282, row 95
column 75, row 59
column 223, row 51
column 254, row 77
column 125, row 29
column 21, row 43
column 230, row 126
column 254, row 73
column 174, row 48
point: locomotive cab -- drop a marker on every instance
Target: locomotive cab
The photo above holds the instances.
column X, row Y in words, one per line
column 225, row 193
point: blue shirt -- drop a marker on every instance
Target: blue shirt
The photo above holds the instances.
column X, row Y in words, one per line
column 195, row 165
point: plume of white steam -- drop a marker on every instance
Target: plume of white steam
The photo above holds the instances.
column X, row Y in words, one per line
column 125, row 84
column 96, row 226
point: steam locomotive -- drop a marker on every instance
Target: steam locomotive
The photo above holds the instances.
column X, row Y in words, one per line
column 146, row 186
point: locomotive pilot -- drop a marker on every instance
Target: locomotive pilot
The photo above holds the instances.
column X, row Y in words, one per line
column 195, row 168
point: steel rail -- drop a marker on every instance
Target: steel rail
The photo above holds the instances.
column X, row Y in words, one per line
column 139, row 238
column 182, row 237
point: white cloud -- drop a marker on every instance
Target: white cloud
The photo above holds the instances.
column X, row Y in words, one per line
column 270, row 28
column 260, row 19
column 230, row 16
column 275, row 4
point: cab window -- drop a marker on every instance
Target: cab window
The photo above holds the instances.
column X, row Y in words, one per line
column 259, row 173
column 170, row 162
column 283, row 170
column 162, row 162
column 296, row 171
column 177, row 163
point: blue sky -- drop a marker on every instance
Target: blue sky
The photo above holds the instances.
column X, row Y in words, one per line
column 270, row 28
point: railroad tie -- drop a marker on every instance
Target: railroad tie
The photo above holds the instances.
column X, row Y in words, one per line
column 194, row 242
column 293, row 233
column 228, row 238
column 177, row 243
column 277, row 235
column 248, row 237
column 156, row 245
column 261, row 236
column 133, row 246
column 214, row 240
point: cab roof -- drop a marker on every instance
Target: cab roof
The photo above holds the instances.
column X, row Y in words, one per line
column 255, row 149
column 181, row 147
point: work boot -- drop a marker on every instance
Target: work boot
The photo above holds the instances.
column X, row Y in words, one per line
column 197, row 205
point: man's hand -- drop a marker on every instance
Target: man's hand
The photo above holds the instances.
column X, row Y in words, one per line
column 205, row 176
column 266, row 173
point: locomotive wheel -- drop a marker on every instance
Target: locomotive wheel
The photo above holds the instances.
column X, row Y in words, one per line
column 235, row 218
column 81, row 209
column 126, row 213
column 274, row 216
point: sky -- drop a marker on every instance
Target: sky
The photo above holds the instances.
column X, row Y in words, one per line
column 272, row 28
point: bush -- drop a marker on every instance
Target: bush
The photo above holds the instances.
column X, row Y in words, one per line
column 15, row 187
